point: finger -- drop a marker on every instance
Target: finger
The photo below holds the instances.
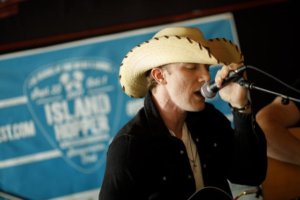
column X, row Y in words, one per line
column 221, row 74
column 234, row 66
column 225, row 71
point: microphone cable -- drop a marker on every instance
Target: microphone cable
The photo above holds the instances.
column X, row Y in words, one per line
column 273, row 77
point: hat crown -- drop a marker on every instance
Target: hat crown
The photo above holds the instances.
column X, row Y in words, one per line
column 189, row 32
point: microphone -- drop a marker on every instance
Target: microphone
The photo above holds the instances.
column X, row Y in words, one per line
column 210, row 89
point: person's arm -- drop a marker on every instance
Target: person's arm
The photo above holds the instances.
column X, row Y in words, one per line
column 277, row 121
column 249, row 163
column 249, row 150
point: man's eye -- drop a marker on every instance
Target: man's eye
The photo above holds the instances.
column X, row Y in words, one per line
column 207, row 67
column 191, row 67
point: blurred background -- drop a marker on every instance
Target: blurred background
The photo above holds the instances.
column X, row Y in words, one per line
column 266, row 28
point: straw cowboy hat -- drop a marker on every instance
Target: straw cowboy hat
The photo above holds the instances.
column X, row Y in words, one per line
column 173, row 45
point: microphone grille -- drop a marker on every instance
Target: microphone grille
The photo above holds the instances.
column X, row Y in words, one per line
column 206, row 91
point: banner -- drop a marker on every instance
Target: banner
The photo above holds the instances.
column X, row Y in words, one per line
column 60, row 106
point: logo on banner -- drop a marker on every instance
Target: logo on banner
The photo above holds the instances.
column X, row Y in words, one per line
column 74, row 105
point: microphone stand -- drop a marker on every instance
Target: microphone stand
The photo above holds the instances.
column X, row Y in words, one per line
column 251, row 86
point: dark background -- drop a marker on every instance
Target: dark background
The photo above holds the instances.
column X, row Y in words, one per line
column 266, row 28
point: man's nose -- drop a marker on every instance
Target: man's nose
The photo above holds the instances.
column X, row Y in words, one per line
column 203, row 75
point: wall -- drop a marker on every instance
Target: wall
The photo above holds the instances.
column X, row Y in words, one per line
column 267, row 36
column 265, row 28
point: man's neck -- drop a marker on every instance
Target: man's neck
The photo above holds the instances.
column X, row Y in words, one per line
column 172, row 116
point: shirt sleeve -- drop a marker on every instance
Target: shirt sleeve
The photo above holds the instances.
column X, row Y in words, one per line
column 249, row 149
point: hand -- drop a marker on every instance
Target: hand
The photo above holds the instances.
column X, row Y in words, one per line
column 232, row 93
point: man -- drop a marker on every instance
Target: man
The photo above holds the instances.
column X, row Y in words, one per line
column 178, row 144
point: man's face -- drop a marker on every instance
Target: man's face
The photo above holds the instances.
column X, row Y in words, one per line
column 183, row 83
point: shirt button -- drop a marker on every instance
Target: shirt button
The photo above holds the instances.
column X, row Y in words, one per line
column 164, row 178
column 189, row 176
column 197, row 139
column 181, row 152
column 215, row 144
column 204, row 166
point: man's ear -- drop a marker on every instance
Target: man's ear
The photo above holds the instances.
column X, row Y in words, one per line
column 158, row 75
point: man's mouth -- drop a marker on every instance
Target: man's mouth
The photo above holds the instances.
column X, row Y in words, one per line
column 198, row 93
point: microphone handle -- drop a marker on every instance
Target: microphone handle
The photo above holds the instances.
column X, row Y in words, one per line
column 210, row 89
column 232, row 77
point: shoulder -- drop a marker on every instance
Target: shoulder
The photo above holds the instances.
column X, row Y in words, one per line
column 129, row 133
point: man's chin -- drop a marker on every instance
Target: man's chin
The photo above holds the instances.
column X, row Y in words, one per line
column 198, row 108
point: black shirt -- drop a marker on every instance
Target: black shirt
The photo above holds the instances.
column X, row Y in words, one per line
column 145, row 161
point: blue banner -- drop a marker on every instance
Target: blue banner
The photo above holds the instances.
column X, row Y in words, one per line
column 61, row 105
